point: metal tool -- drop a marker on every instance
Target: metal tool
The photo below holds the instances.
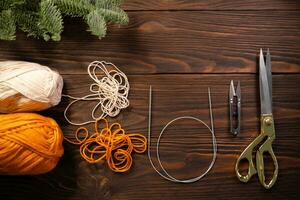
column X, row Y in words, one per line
column 267, row 132
column 235, row 108
column 166, row 175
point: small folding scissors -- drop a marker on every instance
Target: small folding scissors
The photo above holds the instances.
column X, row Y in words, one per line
column 235, row 108
column 267, row 132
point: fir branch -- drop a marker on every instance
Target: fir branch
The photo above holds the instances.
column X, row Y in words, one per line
column 50, row 21
column 74, row 8
column 31, row 5
column 43, row 18
column 97, row 23
column 115, row 16
column 6, row 4
column 108, row 4
column 27, row 21
column 7, row 25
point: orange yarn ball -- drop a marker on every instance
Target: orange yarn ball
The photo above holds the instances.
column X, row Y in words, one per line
column 30, row 144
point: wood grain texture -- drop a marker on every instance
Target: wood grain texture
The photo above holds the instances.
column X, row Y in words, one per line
column 186, row 147
column 180, row 47
column 173, row 42
column 212, row 5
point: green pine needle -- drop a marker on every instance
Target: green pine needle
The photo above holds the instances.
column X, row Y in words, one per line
column 97, row 24
column 50, row 21
column 119, row 16
column 28, row 22
column 108, row 4
column 43, row 18
column 74, row 8
column 6, row 4
column 7, row 25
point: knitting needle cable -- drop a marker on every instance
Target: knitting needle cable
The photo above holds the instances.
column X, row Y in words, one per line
column 167, row 176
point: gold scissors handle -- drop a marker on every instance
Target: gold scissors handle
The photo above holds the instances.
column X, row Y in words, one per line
column 267, row 130
column 266, row 147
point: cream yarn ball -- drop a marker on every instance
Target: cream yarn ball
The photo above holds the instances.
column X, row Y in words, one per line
column 27, row 86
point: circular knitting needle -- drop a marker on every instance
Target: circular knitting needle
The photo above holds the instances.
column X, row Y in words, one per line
column 166, row 175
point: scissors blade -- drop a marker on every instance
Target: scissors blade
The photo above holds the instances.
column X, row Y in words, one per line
column 265, row 96
column 238, row 91
column 231, row 91
column 269, row 73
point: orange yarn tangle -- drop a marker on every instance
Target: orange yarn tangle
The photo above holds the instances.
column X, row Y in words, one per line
column 110, row 143
column 30, row 144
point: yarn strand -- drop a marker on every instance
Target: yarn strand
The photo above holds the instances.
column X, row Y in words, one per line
column 111, row 92
column 109, row 143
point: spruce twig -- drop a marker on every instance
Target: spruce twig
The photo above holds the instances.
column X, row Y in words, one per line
column 7, row 25
column 44, row 18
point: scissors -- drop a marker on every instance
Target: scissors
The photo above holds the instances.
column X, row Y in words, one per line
column 267, row 131
column 235, row 108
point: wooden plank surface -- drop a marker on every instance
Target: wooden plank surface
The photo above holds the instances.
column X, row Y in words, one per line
column 212, row 5
column 179, row 47
column 173, row 42
column 186, row 147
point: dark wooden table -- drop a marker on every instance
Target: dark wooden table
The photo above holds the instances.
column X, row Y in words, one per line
column 179, row 47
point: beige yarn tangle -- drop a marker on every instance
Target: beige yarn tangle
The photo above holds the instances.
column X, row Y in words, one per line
column 27, row 86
